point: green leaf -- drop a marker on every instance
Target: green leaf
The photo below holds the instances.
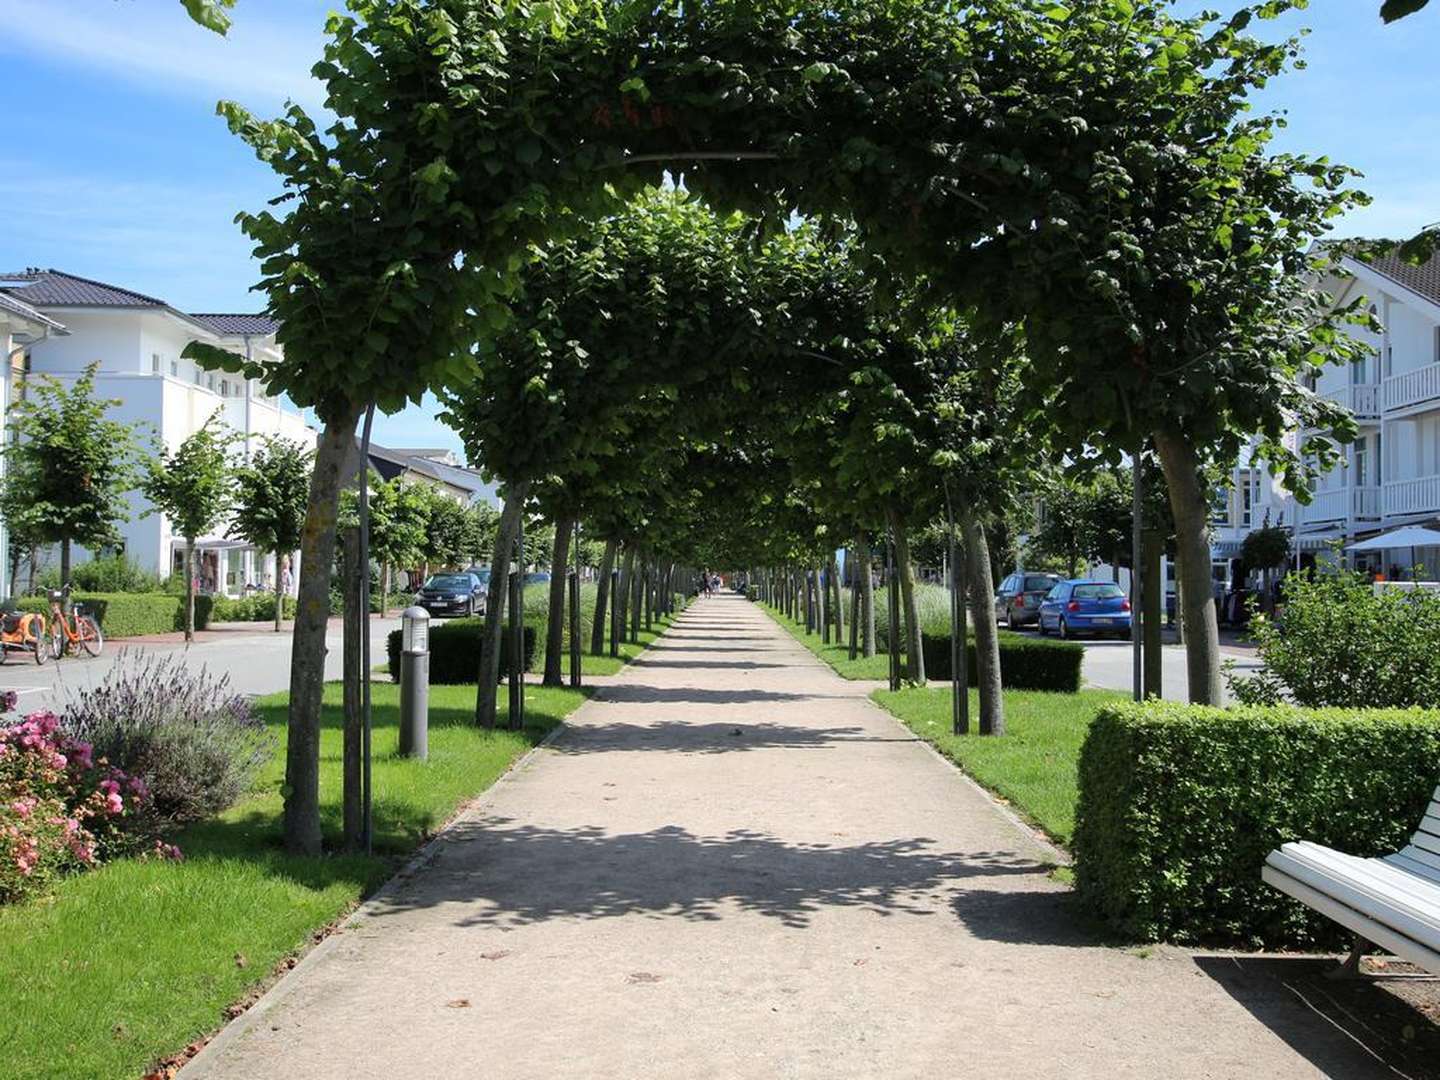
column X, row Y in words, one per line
column 1398, row 9
column 209, row 13
column 528, row 152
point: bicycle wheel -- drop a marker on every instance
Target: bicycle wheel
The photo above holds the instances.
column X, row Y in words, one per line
column 42, row 641
column 91, row 639
column 57, row 641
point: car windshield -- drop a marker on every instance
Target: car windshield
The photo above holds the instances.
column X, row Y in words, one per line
column 1107, row 591
column 1038, row 583
column 448, row 581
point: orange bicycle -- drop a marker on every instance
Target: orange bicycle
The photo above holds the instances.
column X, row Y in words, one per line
column 25, row 632
column 79, row 630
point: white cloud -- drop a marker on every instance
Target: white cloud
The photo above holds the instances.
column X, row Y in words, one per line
column 265, row 59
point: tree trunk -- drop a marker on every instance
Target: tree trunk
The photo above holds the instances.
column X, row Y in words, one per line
column 1191, row 510
column 1152, row 612
column 914, row 636
column 837, row 600
column 866, row 585
column 352, row 674
column 627, row 572
column 280, row 595
column 307, row 646
column 189, row 590
column 555, row 628
column 489, row 677
column 982, row 611
column 65, row 566
column 385, row 572
column 602, row 599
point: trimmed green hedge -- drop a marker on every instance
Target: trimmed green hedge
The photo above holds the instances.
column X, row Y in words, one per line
column 455, row 651
column 1179, row 806
column 1026, row 663
column 123, row 615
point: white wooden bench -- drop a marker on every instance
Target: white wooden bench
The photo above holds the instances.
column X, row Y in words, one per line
column 1391, row 902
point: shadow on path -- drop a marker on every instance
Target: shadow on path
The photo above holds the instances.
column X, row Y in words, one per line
column 509, row 874
column 717, row 738
column 1374, row 1014
column 635, row 694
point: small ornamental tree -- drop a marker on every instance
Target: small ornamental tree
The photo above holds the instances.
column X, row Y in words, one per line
column 271, row 491
column 448, row 532
column 71, row 466
column 193, row 488
column 399, row 513
column 1266, row 549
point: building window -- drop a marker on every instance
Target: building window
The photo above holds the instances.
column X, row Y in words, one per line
column 1246, row 496
column 1220, row 506
column 175, row 368
column 1379, row 478
column 1361, row 459
column 224, row 387
column 155, row 363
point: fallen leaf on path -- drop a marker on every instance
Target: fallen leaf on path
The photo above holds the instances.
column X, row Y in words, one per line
column 498, row 954
column 458, row 1003
column 642, row 977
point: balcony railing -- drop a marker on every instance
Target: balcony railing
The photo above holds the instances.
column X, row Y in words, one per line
column 1413, row 387
column 1412, row 496
column 1340, row 504
column 1326, row 506
column 1363, row 400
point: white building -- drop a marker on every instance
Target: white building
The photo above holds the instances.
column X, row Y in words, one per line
column 136, row 340
column 1391, row 474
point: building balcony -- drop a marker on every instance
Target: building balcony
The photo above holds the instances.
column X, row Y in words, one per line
column 1342, row 504
column 1420, row 496
column 1363, row 400
column 1413, row 387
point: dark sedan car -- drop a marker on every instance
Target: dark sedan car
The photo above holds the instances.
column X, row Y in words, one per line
column 453, row 594
column 1017, row 601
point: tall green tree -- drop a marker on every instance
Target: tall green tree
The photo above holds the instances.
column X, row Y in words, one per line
column 70, row 467
column 193, row 488
column 399, row 516
column 271, row 493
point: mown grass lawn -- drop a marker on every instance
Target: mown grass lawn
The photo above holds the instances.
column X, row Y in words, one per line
column 1033, row 764
column 629, row 650
column 836, row 654
column 130, row 963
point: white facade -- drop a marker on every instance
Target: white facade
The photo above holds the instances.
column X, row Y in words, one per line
column 1390, row 475
column 168, row 398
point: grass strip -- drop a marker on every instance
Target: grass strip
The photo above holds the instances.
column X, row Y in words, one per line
column 836, row 654
column 134, row 961
column 1033, row 765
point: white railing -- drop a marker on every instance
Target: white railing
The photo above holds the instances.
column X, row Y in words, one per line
column 1412, row 496
column 1326, row 506
column 1422, row 384
column 1362, row 400
column 1365, row 502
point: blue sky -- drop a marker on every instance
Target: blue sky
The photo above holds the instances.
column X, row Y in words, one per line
column 115, row 167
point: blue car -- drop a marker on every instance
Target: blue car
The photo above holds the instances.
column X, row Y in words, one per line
column 1072, row 608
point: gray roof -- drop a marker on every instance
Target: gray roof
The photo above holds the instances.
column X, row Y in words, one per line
column 238, row 325
column 25, row 311
column 390, row 463
column 54, row 288
column 1423, row 280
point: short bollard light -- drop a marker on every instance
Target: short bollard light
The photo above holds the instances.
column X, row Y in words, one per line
column 414, row 683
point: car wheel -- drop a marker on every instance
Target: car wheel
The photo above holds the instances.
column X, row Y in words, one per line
column 1064, row 630
column 1009, row 619
column 1040, row 626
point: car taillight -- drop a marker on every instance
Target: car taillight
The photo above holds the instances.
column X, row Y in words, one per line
column 1019, row 599
column 1124, row 605
column 1073, row 605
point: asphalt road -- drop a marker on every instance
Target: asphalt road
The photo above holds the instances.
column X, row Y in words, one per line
column 1108, row 665
column 257, row 662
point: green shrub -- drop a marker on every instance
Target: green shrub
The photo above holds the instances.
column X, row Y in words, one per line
column 114, row 574
column 1340, row 644
column 455, row 651
column 1180, row 804
column 123, row 615
column 196, row 743
column 1025, row 663
column 258, row 607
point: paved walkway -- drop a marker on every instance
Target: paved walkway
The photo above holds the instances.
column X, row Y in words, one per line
column 733, row 865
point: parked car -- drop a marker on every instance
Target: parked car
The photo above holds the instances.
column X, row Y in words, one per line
column 461, row 593
column 537, row 579
column 1072, row 608
column 1017, row 601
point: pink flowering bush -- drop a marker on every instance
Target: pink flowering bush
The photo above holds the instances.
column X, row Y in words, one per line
column 61, row 809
